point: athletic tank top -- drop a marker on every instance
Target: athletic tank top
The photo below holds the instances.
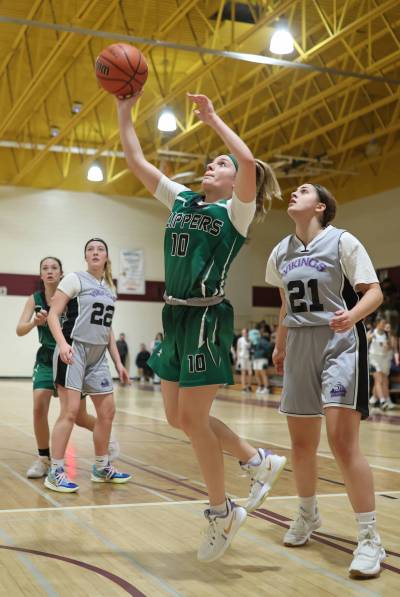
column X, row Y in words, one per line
column 44, row 355
column 379, row 345
column 44, row 333
column 314, row 282
column 89, row 315
column 199, row 246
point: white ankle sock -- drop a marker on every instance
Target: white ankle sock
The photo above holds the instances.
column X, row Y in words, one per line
column 101, row 461
column 365, row 520
column 219, row 509
column 309, row 506
column 255, row 460
column 57, row 463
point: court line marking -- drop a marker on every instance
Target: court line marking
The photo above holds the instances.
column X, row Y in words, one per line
column 85, row 526
column 41, row 580
column 167, row 503
column 256, row 439
column 307, row 564
column 250, row 536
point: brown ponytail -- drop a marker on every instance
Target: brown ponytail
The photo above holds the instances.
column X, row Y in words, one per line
column 267, row 187
column 329, row 201
column 108, row 275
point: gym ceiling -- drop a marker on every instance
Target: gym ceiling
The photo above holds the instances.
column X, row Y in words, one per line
column 328, row 115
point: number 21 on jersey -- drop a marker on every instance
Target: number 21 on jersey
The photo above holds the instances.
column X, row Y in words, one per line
column 297, row 291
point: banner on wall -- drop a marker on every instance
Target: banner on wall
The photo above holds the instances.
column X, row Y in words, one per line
column 131, row 272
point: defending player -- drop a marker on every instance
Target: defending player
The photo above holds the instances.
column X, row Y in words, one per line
column 322, row 348
column 34, row 315
column 80, row 362
column 203, row 235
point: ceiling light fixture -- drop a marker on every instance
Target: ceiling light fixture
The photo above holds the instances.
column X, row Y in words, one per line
column 282, row 39
column 167, row 121
column 95, row 173
column 54, row 130
column 76, row 107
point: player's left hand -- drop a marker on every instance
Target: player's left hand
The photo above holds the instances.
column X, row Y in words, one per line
column 124, row 376
column 342, row 321
column 204, row 107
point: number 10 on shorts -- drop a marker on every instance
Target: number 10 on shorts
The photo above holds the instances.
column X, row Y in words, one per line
column 197, row 363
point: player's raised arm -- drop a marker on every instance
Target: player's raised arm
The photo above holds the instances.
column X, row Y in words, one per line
column 148, row 174
column 245, row 183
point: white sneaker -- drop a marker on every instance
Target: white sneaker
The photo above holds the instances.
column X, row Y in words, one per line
column 387, row 404
column 39, row 468
column 300, row 530
column 373, row 401
column 368, row 555
column 264, row 391
column 221, row 531
column 259, row 390
column 262, row 478
column 113, row 450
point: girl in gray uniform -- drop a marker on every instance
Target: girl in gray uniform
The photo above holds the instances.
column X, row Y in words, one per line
column 37, row 305
column 328, row 286
column 80, row 363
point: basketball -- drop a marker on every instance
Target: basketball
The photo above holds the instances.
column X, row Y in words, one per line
column 121, row 70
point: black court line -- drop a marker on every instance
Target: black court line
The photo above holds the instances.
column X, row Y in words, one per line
column 273, row 517
column 124, row 584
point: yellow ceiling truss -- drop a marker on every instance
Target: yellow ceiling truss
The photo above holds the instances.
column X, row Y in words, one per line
column 315, row 112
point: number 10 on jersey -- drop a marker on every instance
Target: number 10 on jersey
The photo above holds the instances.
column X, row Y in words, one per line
column 180, row 243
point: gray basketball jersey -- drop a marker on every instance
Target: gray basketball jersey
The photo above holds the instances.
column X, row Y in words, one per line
column 89, row 315
column 313, row 279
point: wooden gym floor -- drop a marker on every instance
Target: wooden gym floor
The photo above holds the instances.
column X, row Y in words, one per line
column 141, row 538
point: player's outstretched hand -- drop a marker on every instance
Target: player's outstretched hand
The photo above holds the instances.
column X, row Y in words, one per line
column 278, row 358
column 204, row 107
column 124, row 376
column 126, row 103
column 66, row 353
column 342, row 321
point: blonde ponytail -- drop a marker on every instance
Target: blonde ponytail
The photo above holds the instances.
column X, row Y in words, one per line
column 267, row 187
column 108, row 275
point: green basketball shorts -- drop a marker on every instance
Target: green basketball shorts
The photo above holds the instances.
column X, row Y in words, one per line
column 43, row 377
column 196, row 346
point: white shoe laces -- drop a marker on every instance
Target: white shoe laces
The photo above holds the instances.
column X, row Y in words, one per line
column 367, row 541
column 298, row 526
column 110, row 471
column 61, row 477
column 210, row 532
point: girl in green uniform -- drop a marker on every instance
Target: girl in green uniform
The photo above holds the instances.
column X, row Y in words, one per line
column 203, row 235
column 34, row 315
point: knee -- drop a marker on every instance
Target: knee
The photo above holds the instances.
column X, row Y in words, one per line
column 303, row 447
column 107, row 414
column 81, row 420
column 342, row 448
column 188, row 423
column 173, row 419
column 70, row 415
column 39, row 411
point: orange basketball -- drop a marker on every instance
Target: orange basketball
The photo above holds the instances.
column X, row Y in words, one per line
column 121, row 70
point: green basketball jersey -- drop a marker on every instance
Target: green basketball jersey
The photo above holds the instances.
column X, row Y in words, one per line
column 199, row 246
column 45, row 335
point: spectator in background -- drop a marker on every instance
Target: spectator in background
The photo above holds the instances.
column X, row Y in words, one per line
column 380, row 358
column 155, row 345
column 143, row 370
column 273, row 334
column 262, row 350
column 244, row 360
column 122, row 348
